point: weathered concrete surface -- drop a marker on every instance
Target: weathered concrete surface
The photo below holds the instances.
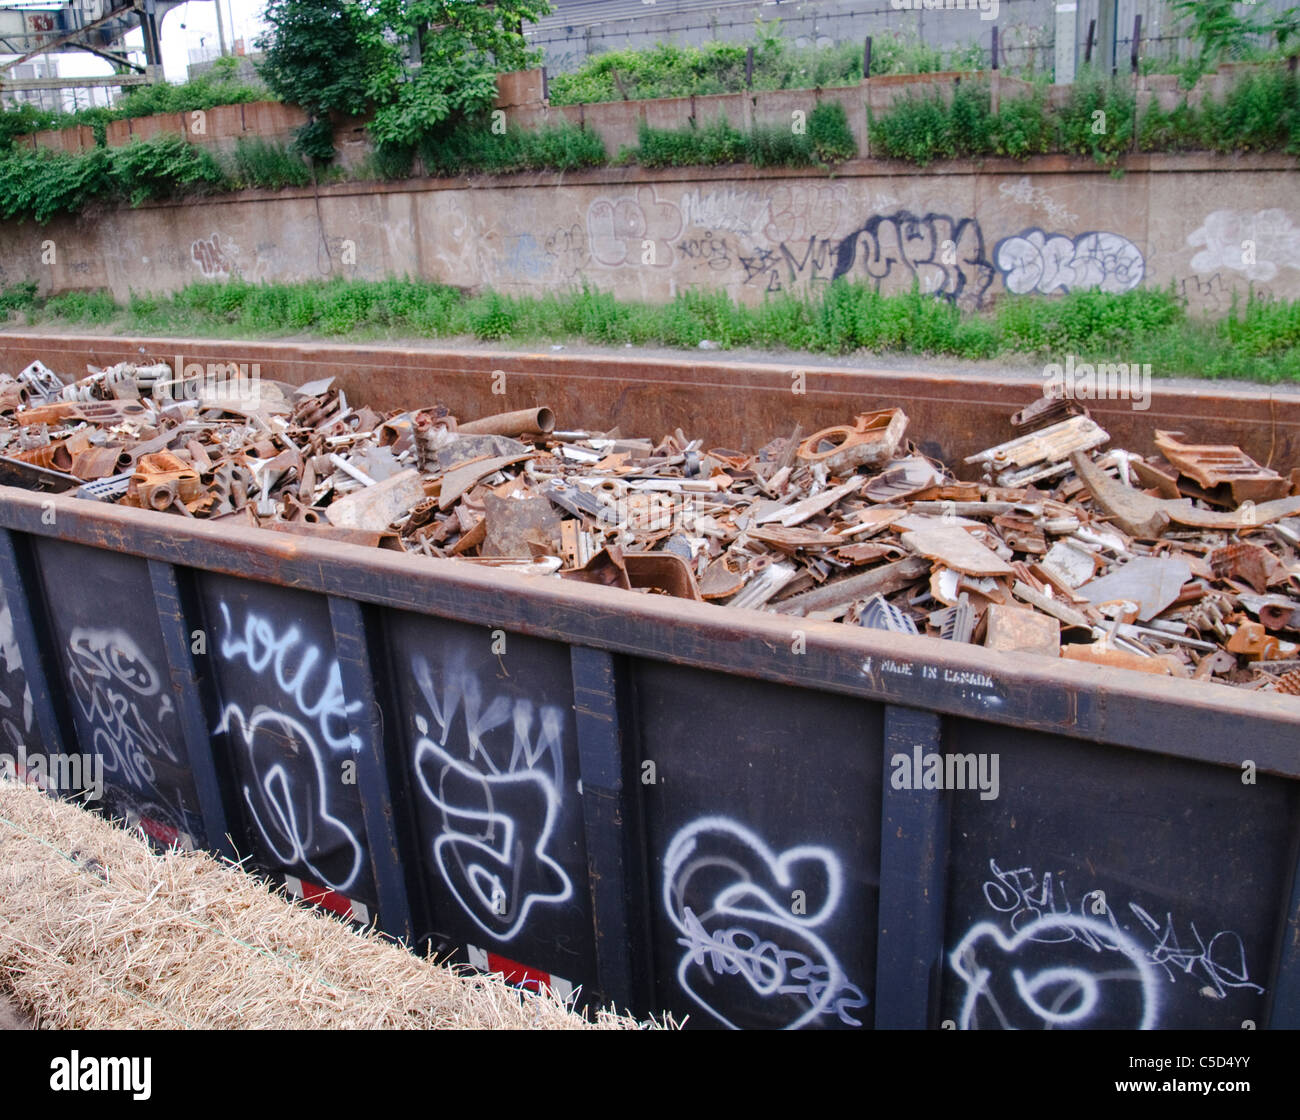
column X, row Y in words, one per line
column 1210, row 226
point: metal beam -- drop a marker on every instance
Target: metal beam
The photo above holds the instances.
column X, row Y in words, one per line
column 15, row 85
column 60, row 40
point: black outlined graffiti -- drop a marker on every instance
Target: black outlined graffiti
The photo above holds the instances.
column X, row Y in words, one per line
column 944, row 254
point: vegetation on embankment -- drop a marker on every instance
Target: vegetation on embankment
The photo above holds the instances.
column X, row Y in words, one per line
column 1259, row 339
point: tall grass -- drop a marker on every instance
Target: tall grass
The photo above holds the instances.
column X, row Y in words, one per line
column 1259, row 339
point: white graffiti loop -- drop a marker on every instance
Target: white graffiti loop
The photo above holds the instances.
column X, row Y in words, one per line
column 751, row 888
column 262, row 645
column 1075, row 986
column 497, row 816
column 295, row 822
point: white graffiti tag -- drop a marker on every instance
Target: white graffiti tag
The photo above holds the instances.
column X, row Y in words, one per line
column 1013, row 983
column 1034, row 261
column 1258, row 244
column 1026, row 897
column 118, row 690
column 294, row 661
column 18, row 712
column 294, row 757
column 497, row 814
column 742, row 911
column 292, row 810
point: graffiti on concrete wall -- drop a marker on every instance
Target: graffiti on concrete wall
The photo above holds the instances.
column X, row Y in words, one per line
column 214, row 257
column 811, row 262
column 1257, row 244
column 636, row 229
column 1027, row 194
column 798, row 212
column 725, row 210
column 1035, row 261
column 944, row 254
column 752, row 924
column 469, row 247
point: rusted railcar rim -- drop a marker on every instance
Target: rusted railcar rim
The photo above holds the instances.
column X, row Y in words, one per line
column 1179, row 718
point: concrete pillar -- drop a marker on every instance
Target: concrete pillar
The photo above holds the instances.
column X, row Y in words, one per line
column 1067, row 14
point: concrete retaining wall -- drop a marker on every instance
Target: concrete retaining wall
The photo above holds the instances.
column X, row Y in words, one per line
column 1211, row 226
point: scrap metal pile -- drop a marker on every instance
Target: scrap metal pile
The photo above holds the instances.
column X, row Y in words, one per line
column 1185, row 564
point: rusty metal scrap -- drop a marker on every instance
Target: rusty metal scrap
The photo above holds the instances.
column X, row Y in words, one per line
column 1185, row 564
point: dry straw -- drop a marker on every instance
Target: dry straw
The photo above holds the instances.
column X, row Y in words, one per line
column 99, row 931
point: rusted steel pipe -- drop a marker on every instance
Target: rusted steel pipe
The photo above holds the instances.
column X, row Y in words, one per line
column 525, row 422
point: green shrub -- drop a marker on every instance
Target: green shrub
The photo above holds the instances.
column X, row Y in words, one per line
column 471, row 146
column 916, row 128
column 259, row 163
column 697, row 145
column 81, row 307
column 1022, row 126
column 40, row 185
column 829, row 133
column 18, row 297
column 1097, row 120
column 164, row 166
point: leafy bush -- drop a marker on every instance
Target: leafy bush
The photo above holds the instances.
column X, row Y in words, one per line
column 40, row 185
column 219, row 86
column 916, row 128
column 714, row 143
column 317, row 56
column 1097, row 120
column 668, row 70
column 18, row 297
column 165, row 166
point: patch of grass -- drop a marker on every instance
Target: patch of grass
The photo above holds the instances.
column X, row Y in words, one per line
column 18, row 297
column 825, row 139
column 259, row 163
column 1258, row 340
column 475, row 146
column 97, row 307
